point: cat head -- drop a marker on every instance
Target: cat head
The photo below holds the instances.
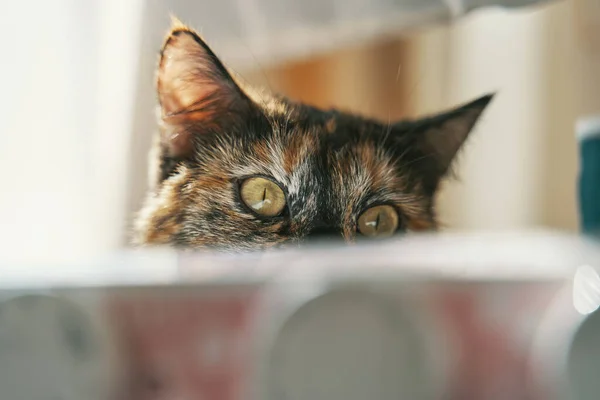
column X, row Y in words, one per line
column 238, row 170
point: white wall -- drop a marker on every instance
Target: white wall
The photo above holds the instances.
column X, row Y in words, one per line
column 519, row 169
column 63, row 121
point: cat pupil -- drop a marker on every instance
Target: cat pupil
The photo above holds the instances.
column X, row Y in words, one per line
column 374, row 223
column 260, row 204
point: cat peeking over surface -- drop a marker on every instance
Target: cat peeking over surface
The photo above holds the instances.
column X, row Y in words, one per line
column 238, row 170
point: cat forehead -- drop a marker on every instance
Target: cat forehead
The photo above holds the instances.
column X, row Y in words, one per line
column 299, row 155
column 290, row 137
column 331, row 123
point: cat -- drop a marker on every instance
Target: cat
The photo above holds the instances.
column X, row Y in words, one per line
column 236, row 169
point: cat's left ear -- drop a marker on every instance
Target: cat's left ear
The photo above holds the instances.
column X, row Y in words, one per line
column 197, row 94
column 440, row 137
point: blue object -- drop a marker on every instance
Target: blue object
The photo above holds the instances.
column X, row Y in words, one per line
column 588, row 135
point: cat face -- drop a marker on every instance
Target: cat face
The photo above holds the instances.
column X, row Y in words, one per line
column 240, row 170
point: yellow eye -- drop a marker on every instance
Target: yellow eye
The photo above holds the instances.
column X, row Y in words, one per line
column 263, row 196
column 378, row 221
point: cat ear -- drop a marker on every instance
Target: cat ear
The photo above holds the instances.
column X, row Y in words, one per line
column 197, row 94
column 440, row 137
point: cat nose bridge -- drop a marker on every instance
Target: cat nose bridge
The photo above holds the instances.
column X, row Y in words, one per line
column 322, row 230
column 325, row 232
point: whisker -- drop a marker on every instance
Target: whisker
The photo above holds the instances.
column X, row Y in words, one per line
column 409, row 163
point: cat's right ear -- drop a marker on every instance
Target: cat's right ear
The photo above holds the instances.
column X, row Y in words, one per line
column 197, row 94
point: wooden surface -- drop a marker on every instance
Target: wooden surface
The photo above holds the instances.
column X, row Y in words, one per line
column 586, row 23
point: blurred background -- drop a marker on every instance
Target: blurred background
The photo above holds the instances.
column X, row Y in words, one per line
column 77, row 112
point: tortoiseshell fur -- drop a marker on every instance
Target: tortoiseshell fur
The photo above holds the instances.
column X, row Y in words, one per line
column 332, row 165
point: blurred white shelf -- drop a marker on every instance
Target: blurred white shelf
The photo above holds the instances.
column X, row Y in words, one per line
column 519, row 255
column 270, row 31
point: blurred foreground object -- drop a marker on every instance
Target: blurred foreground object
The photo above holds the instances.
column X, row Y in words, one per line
column 469, row 317
column 588, row 130
column 587, row 23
